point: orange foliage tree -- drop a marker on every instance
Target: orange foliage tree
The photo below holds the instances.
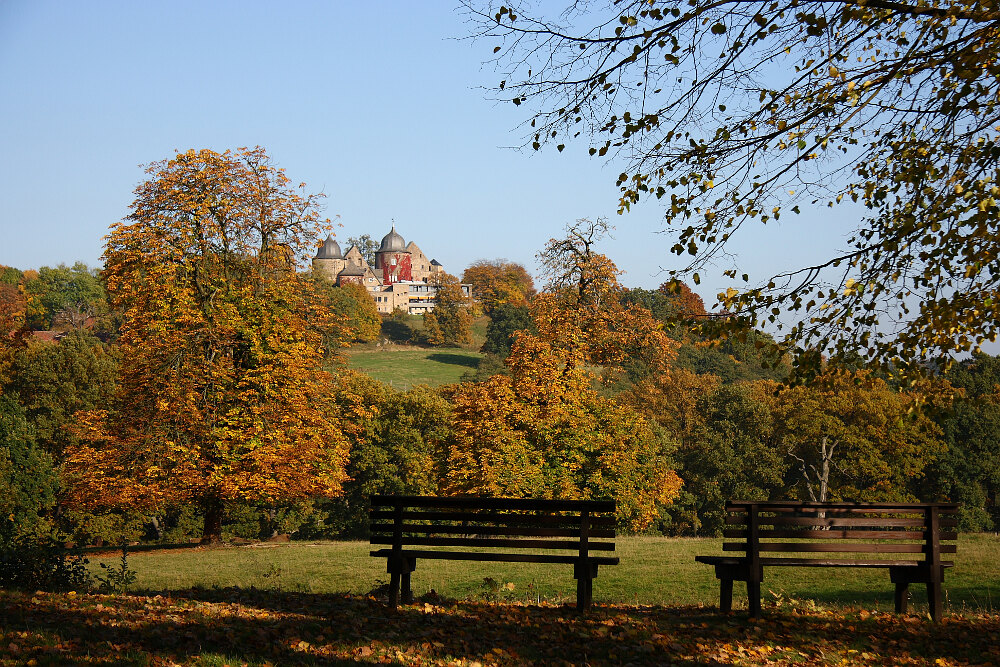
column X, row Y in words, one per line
column 220, row 395
column 543, row 430
column 496, row 282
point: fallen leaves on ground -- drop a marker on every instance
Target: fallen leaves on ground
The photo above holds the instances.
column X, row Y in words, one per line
column 250, row 627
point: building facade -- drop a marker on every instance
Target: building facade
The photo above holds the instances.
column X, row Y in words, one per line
column 400, row 278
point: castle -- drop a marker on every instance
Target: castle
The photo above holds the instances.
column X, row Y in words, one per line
column 400, row 278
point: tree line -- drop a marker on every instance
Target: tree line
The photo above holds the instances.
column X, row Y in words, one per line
column 198, row 389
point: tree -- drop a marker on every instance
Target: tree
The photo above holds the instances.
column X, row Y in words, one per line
column 367, row 246
column 220, row 394
column 55, row 380
column 544, row 432
column 450, row 323
column 399, row 441
column 968, row 472
column 850, row 436
column 64, row 296
column 505, row 321
column 499, row 282
column 343, row 314
column 28, row 481
column 736, row 112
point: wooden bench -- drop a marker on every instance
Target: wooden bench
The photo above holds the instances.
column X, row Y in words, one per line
column 492, row 529
column 909, row 538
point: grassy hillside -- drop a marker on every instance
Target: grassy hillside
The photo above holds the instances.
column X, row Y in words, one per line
column 404, row 367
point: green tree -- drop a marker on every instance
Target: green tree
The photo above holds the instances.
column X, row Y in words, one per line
column 28, row 480
column 737, row 112
column 968, row 472
column 64, row 296
column 730, row 453
column 367, row 246
column 55, row 380
column 505, row 321
column 450, row 323
column 400, row 441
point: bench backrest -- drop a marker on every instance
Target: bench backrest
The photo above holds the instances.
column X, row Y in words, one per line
column 911, row 531
column 478, row 523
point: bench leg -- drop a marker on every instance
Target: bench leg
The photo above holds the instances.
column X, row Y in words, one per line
column 753, row 598
column 902, row 596
column 725, row 595
column 394, row 589
column 934, row 600
column 407, row 593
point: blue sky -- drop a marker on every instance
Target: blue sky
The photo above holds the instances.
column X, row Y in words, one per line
column 380, row 105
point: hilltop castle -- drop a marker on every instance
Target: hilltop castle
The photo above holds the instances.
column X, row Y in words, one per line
column 400, row 277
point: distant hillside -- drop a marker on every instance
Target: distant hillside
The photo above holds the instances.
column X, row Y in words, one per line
column 403, row 367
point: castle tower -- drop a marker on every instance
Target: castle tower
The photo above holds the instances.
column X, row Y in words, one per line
column 329, row 260
column 392, row 260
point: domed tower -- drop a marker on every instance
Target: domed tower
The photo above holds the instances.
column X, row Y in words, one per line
column 329, row 260
column 393, row 259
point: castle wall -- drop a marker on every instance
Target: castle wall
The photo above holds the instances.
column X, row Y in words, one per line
column 396, row 266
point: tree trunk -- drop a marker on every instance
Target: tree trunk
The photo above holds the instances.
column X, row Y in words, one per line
column 212, row 532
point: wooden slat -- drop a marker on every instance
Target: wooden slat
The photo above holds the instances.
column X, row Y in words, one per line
column 452, row 529
column 531, row 504
column 494, row 518
column 842, row 547
column 839, row 534
column 494, row 556
column 488, row 542
column 767, row 505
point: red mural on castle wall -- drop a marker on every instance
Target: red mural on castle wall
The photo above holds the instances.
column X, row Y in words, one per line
column 396, row 267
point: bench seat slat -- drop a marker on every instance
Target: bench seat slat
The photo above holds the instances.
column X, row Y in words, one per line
column 498, row 557
column 452, row 529
column 493, row 543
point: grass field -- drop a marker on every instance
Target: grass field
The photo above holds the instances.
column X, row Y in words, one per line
column 653, row 571
column 406, row 367
column 266, row 605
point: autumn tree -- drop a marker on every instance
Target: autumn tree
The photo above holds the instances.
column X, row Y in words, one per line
column 220, row 395
column 544, row 432
column 450, row 323
column 848, row 435
column 499, row 282
column 581, row 310
column 735, row 113
column 343, row 314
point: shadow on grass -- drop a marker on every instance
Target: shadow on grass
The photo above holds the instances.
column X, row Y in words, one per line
column 454, row 359
column 255, row 626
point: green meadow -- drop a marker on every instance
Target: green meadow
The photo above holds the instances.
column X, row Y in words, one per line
column 653, row 571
